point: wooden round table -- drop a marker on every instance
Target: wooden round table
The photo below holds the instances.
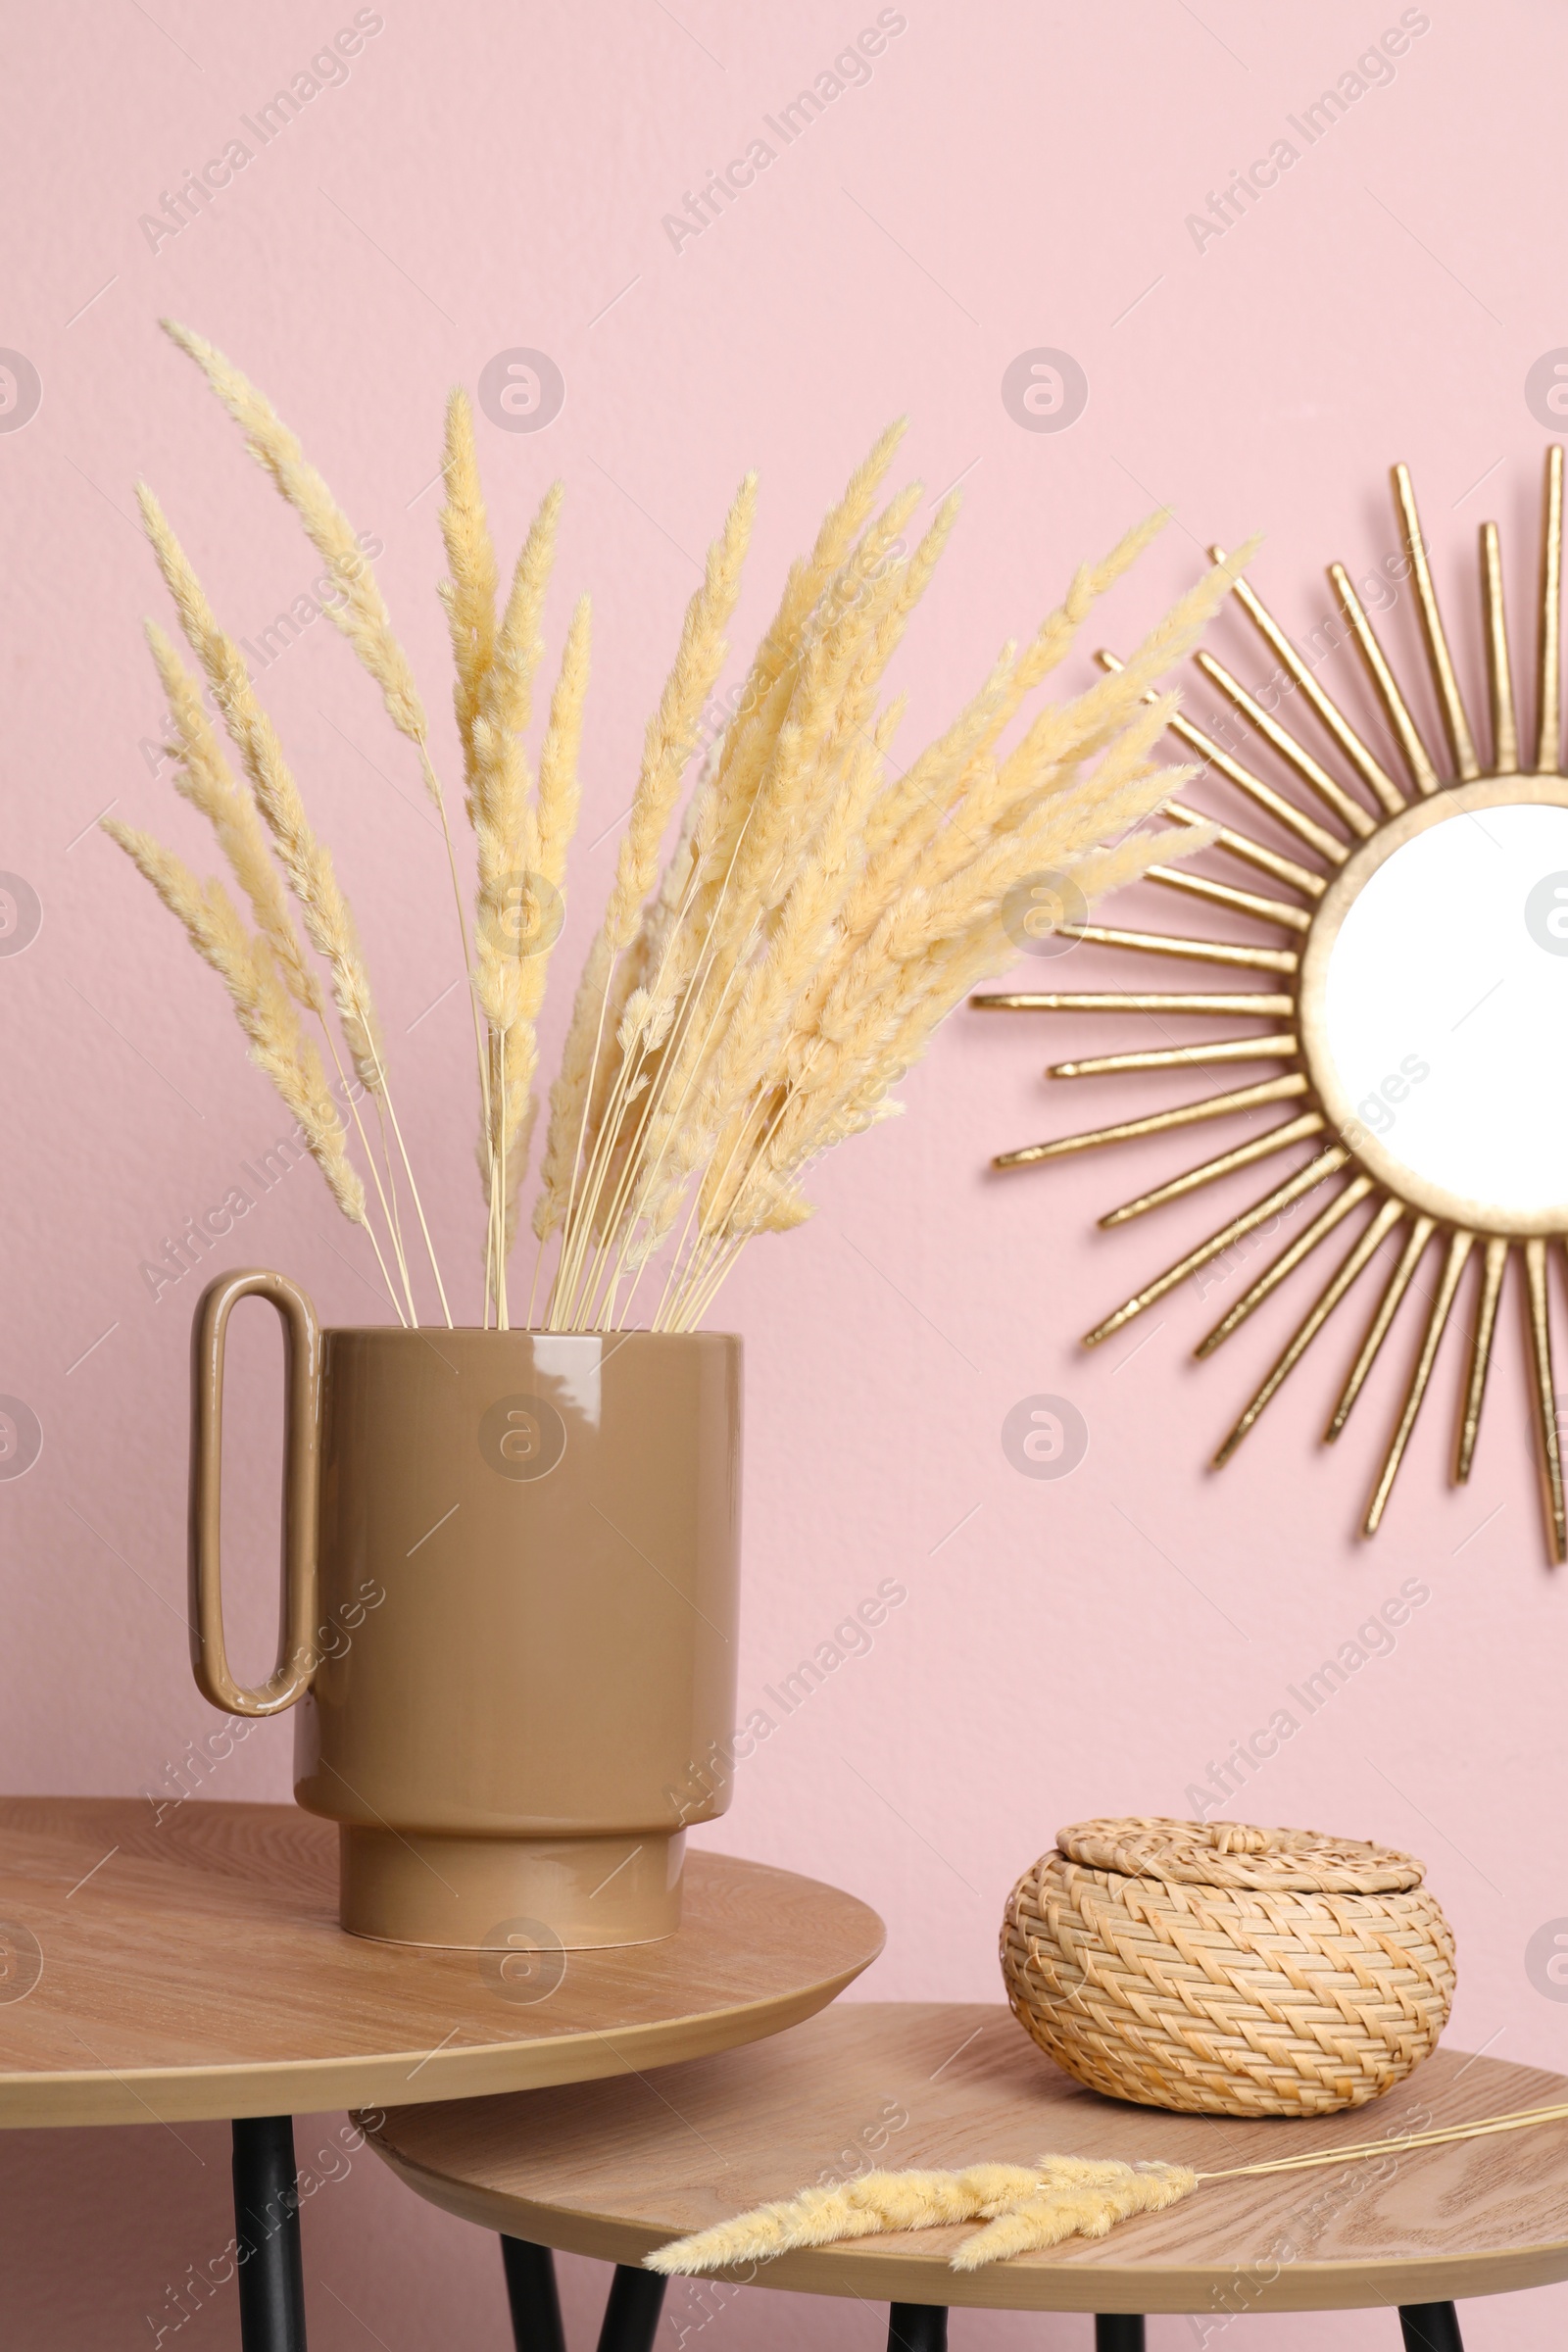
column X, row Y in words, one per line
column 615, row 2169
column 184, row 1961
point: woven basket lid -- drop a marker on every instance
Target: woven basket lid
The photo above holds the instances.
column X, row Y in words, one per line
column 1229, row 1853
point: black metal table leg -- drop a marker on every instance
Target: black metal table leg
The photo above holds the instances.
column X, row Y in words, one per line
column 917, row 2328
column 531, row 2292
column 1118, row 2331
column 631, row 2315
column 1430, row 2327
column 267, row 2235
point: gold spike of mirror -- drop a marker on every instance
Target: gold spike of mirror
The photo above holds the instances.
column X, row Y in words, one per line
column 1384, row 827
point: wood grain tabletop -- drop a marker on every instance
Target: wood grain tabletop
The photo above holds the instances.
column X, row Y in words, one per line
column 192, row 1966
column 615, row 2169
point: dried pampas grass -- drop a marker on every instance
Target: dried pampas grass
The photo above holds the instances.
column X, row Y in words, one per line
column 1026, row 2208
column 775, row 955
column 246, row 966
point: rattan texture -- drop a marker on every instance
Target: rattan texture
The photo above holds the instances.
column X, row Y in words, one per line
column 1302, row 1975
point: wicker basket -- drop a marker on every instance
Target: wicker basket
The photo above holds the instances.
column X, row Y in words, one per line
column 1222, row 1970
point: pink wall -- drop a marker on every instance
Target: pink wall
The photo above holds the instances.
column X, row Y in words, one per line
column 488, row 178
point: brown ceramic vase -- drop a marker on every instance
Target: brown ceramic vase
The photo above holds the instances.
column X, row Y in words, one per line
column 510, row 1584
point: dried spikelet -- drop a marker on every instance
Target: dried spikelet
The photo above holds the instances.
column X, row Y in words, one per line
column 719, row 807
column 262, row 1003
column 814, row 923
column 808, row 575
column 328, row 923
column 666, row 751
column 930, row 951
column 1075, row 729
column 801, row 940
column 775, row 1204
column 904, row 1002
column 505, row 825
column 1078, row 2196
column 671, row 731
column 713, row 1111
column 786, row 821
column 949, row 880
column 662, row 922
column 521, row 1062
column 556, row 820
column 559, row 793
column 925, row 793
column 358, row 610
column 1055, row 637
column 783, row 807
column 949, row 968
column 913, row 578
column 875, row 2203
column 501, row 774
column 1105, row 870
column 882, row 982
column 912, row 812
column 204, row 779
column 1026, row 2208
column 470, row 592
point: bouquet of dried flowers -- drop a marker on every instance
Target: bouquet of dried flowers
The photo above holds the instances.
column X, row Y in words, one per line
column 747, row 1003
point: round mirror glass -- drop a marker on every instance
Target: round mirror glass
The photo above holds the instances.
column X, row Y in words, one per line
column 1446, row 1009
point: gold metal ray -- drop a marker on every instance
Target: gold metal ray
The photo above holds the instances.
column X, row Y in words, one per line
column 1500, row 670
column 1456, row 725
column 1251, row 853
column 1280, row 1269
column 1303, row 1181
column 1285, row 812
column 1417, row 759
column 1275, row 1046
column 1118, row 999
column 1329, row 790
column 1388, row 1308
column 1340, row 809
column 1548, row 652
column 1283, row 918
column 1306, row 827
column 1211, row 1107
column 1360, row 754
column 1261, row 1146
column 1307, row 1331
column 1548, row 1452
column 1494, row 1267
column 1460, row 1244
column 1193, row 951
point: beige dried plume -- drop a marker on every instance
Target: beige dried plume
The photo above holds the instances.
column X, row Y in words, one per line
column 358, row 610
column 559, row 797
column 759, row 981
column 469, row 591
column 505, row 818
column 521, row 832
column 306, row 862
column 1025, row 2207
column 203, row 777
column 820, row 914
column 667, row 748
column 262, row 1004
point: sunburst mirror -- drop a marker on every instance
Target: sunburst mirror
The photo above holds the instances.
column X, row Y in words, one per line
column 1413, row 991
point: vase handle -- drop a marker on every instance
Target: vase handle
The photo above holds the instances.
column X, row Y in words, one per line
column 291, row 1677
